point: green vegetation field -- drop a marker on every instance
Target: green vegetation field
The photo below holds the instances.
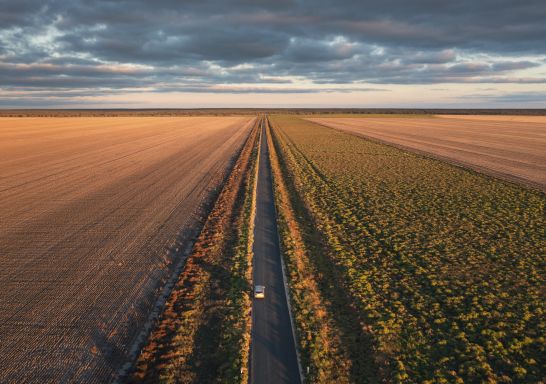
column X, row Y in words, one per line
column 443, row 268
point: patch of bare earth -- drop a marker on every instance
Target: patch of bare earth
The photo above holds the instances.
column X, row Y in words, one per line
column 510, row 118
column 510, row 147
column 94, row 213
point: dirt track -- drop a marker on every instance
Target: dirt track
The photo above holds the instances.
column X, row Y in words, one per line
column 89, row 209
column 504, row 146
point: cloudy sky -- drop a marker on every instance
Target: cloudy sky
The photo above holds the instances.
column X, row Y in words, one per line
column 324, row 53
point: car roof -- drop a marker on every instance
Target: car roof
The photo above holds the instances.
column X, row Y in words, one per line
column 260, row 287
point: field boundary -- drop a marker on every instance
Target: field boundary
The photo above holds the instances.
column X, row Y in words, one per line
column 135, row 351
column 207, row 239
column 483, row 171
column 112, row 112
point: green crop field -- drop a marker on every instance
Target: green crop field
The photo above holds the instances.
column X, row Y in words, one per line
column 445, row 267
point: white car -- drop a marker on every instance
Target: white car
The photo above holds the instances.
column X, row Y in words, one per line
column 259, row 292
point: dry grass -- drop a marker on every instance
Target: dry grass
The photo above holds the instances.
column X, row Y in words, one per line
column 203, row 332
column 318, row 336
column 91, row 212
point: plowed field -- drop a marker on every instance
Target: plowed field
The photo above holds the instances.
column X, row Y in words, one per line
column 90, row 210
column 505, row 146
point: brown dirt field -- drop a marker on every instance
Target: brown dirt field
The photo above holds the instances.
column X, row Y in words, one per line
column 501, row 146
column 91, row 212
column 512, row 118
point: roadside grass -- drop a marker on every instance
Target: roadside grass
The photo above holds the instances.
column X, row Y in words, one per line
column 322, row 352
column 204, row 330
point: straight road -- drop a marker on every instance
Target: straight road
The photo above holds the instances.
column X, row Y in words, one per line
column 273, row 356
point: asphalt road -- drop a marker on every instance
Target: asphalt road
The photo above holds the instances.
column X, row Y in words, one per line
column 273, row 354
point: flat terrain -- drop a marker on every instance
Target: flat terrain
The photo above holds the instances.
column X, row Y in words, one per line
column 505, row 118
column 442, row 268
column 273, row 358
column 90, row 210
column 511, row 147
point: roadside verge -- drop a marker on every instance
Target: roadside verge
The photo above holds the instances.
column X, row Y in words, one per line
column 321, row 355
column 202, row 334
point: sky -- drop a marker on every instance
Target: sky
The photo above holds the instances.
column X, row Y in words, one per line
column 258, row 53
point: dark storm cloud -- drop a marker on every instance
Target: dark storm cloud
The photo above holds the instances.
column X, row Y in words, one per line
column 193, row 45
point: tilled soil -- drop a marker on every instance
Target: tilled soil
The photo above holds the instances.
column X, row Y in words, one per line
column 91, row 210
